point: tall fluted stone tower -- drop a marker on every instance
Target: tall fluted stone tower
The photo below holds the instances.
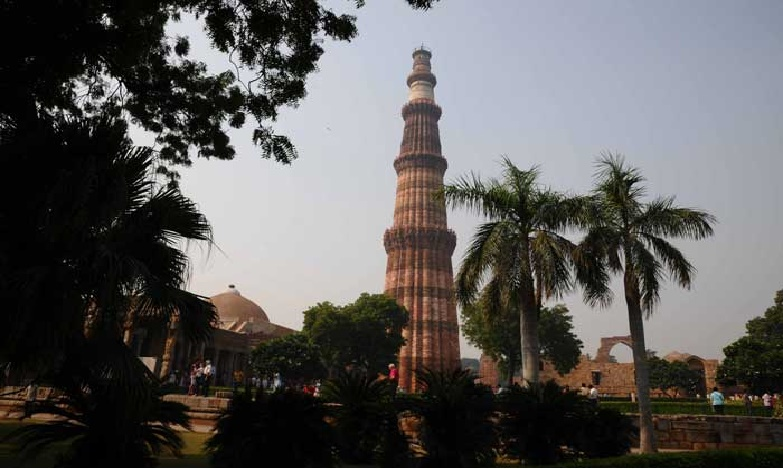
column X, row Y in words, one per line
column 419, row 245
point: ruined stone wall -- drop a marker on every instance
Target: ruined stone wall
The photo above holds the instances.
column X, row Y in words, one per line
column 715, row 431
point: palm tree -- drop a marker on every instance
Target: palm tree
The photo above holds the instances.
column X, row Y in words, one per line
column 519, row 248
column 628, row 236
column 97, row 243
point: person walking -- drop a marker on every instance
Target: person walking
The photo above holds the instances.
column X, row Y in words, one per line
column 748, row 404
column 592, row 395
column 393, row 378
column 209, row 374
column 717, row 400
column 193, row 384
column 767, row 400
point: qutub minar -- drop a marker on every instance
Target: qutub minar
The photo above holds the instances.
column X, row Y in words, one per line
column 419, row 244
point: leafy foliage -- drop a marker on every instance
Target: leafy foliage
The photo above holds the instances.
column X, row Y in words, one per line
column 284, row 429
column 93, row 248
column 543, row 425
column 95, row 244
column 756, row 359
column 365, row 421
column 497, row 335
column 293, row 356
column 517, row 259
column 456, row 429
column 92, row 57
column 366, row 333
column 665, row 375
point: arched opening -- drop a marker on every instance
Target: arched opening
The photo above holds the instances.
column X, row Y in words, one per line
column 621, row 353
column 697, row 365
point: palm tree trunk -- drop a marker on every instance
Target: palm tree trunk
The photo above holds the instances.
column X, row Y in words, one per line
column 528, row 328
column 511, row 366
column 641, row 370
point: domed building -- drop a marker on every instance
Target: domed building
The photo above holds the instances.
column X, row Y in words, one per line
column 242, row 325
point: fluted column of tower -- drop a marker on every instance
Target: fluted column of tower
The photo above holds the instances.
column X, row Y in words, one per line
column 419, row 245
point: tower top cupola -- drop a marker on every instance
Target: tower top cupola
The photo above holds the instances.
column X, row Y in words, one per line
column 421, row 80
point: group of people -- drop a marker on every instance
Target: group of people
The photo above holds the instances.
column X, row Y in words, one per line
column 201, row 376
column 718, row 401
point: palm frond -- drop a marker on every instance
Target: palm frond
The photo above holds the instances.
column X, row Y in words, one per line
column 678, row 266
column 662, row 218
column 490, row 199
column 550, row 256
column 649, row 271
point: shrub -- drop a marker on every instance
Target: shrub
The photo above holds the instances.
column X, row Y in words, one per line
column 544, row 425
column 283, row 429
column 365, row 421
column 456, row 430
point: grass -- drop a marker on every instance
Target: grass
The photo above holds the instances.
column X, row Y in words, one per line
column 193, row 454
column 750, row 457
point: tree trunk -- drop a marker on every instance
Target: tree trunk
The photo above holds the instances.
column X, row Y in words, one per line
column 641, row 370
column 528, row 328
column 511, row 366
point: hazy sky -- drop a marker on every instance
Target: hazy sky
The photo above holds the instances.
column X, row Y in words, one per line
column 691, row 93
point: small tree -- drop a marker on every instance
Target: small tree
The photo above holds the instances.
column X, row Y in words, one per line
column 293, row 356
column 756, row 359
column 366, row 334
column 666, row 375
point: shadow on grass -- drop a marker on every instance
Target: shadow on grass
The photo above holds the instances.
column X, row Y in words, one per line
column 193, row 452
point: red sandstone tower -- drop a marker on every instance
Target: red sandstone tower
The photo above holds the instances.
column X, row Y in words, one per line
column 419, row 245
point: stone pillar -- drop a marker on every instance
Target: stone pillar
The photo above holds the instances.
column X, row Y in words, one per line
column 419, row 244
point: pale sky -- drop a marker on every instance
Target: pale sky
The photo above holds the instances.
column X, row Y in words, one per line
column 691, row 93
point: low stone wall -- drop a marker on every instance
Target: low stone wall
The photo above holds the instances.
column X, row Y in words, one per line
column 694, row 432
column 203, row 411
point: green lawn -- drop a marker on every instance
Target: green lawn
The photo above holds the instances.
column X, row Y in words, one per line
column 193, row 455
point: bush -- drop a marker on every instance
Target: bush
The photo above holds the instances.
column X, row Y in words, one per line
column 544, row 425
column 677, row 408
column 751, row 457
column 365, row 421
column 456, row 430
column 284, row 429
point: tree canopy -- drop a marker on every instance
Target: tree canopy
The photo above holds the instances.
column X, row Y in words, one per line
column 666, row 375
column 756, row 359
column 497, row 335
column 366, row 333
column 293, row 356
column 87, row 57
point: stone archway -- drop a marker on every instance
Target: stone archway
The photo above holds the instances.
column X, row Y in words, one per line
column 607, row 343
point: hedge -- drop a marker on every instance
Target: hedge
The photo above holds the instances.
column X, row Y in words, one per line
column 751, row 457
column 677, row 408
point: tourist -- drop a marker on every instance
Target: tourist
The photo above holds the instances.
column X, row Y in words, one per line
column 583, row 390
column 199, row 378
column 566, row 389
column 717, row 400
column 277, row 382
column 32, row 396
column 592, row 395
column 767, row 400
column 193, row 381
column 239, row 378
column 394, row 377
column 209, row 374
column 748, row 404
